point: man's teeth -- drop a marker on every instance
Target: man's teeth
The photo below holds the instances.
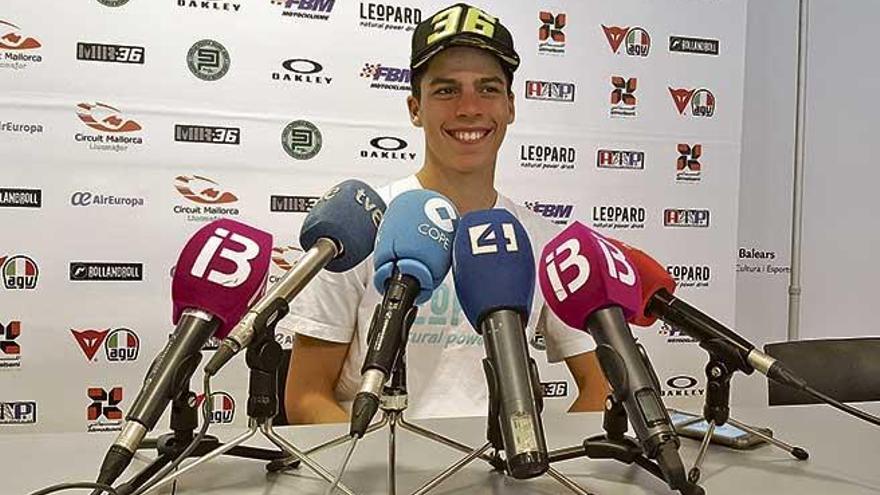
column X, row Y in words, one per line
column 469, row 136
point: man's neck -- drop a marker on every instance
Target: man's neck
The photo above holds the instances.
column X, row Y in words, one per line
column 468, row 192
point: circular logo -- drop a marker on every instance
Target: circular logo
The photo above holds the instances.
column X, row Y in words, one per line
column 113, row 3
column 301, row 139
column 302, row 66
column 441, row 213
column 208, row 60
column 682, row 382
column 396, row 144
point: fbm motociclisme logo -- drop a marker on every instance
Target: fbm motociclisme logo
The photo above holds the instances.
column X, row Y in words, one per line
column 292, row 204
column 685, row 217
column 301, row 139
column 100, row 52
column 550, row 91
column 18, row 412
column 18, row 49
column 619, row 217
column 302, row 70
column 208, row 60
column 318, row 10
column 10, row 347
column 620, row 159
column 560, row 214
column 387, row 77
column 700, row 102
column 638, row 41
column 699, row 46
column 389, row 17
column 388, row 148
column 19, row 272
column 20, row 198
column 98, row 271
column 545, row 157
column 207, row 134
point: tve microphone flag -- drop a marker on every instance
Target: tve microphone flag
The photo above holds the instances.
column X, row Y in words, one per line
column 494, row 272
column 220, row 272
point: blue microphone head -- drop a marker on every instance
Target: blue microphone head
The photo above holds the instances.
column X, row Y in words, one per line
column 349, row 214
column 416, row 237
column 492, row 265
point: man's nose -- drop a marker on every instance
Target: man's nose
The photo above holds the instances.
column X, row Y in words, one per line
column 469, row 104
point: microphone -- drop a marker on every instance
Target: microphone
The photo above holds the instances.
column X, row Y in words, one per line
column 494, row 273
column 412, row 257
column 220, row 272
column 337, row 234
column 589, row 284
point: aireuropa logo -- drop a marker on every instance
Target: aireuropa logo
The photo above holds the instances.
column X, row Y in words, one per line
column 690, row 276
column 558, row 213
column 546, row 157
column 700, row 102
column 699, row 46
column 551, row 37
column 20, row 272
column 387, row 77
column 10, row 347
column 620, row 159
column 116, row 132
column 389, row 17
column 29, row 128
column 20, row 198
column 687, row 166
column 213, row 5
column 120, row 345
column 623, row 97
column 292, row 204
column 682, row 386
column 91, row 199
column 388, row 148
column 208, row 60
column 301, row 139
column 638, row 41
column 318, row 10
column 207, row 134
column 101, row 271
column 104, row 410
column 550, row 91
column 18, row 412
column 222, row 407
column 102, row 52
column 685, row 217
column 18, row 50
column 302, row 70
column 618, row 217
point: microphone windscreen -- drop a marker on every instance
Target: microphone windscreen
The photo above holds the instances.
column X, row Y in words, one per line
column 348, row 214
column 653, row 278
column 582, row 272
column 222, row 270
column 416, row 236
column 492, row 265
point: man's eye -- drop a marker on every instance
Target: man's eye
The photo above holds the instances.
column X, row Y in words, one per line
column 445, row 91
column 491, row 89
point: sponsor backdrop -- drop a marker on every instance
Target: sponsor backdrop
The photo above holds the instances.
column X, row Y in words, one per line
column 120, row 139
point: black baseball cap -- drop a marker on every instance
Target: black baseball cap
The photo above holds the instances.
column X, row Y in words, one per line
column 462, row 25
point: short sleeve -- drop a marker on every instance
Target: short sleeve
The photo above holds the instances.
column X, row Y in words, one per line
column 561, row 340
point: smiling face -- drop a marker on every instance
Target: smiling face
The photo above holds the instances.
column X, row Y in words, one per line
column 464, row 108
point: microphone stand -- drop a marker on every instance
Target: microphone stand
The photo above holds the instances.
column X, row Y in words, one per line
column 263, row 357
column 724, row 359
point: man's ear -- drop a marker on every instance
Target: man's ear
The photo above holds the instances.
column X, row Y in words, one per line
column 412, row 105
column 512, row 108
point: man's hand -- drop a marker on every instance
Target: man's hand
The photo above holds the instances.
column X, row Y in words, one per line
column 311, row 380
column 592, row 386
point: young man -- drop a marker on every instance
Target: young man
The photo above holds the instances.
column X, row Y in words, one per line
column 463, row 62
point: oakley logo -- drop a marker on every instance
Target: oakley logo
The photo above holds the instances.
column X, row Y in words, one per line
column 396, row 144
column 302, row 66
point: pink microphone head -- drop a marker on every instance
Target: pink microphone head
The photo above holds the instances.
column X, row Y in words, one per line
column 581, row 272
column 222, row 270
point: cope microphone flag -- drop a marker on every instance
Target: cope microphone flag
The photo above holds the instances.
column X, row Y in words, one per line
column 494, row 272
column 221, row 271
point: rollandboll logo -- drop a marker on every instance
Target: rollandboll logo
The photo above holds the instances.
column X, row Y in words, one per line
column 550, row 91
column 619, row 217
column 221, row 406
column 209, row 5
column 389, row 17
column 301, row 139
column 685, row 217
column 699, row 46
column 207, row 134
column 442, row 218
column 87, row 198
column 690, row 276
column 100, row 52
column 560, row 214
column 674, row 335
column 551, row 37
column 20, row 198
column 687, row 167
column 284, row 258
column 21, row 128
column 623, row 98
column 10, row 347
column 208, row 195
column 546, row 157
column 292, row 204
column 638, row 41
column 620, row 159
column 19, row 272
column 318, row 10
column 120, row 345
column 104, row 412
column 100, row 271
column 388, row 148
column 303, row 71
column 682, row 386
column 694, row 102
column 18, row 49
column 18, row 412
column 116, row 131
column 208, row 60
column 386, row 77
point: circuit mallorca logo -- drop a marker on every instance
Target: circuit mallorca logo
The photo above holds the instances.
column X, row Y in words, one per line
column 10, row 347
column 637, row 40
column 19, row 272
column 120, row 345
column 208, row 195
column 284, row 258
column 116, row 132
column 698, row 102
column 18, row 50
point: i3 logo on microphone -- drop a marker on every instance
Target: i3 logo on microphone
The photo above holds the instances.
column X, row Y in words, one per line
column 573, row 259
column 241, row 259
column 484, row 238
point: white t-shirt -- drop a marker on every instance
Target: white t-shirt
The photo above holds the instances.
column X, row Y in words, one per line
column 444, row 354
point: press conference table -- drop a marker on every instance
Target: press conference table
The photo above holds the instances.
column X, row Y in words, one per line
column 844, row 460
